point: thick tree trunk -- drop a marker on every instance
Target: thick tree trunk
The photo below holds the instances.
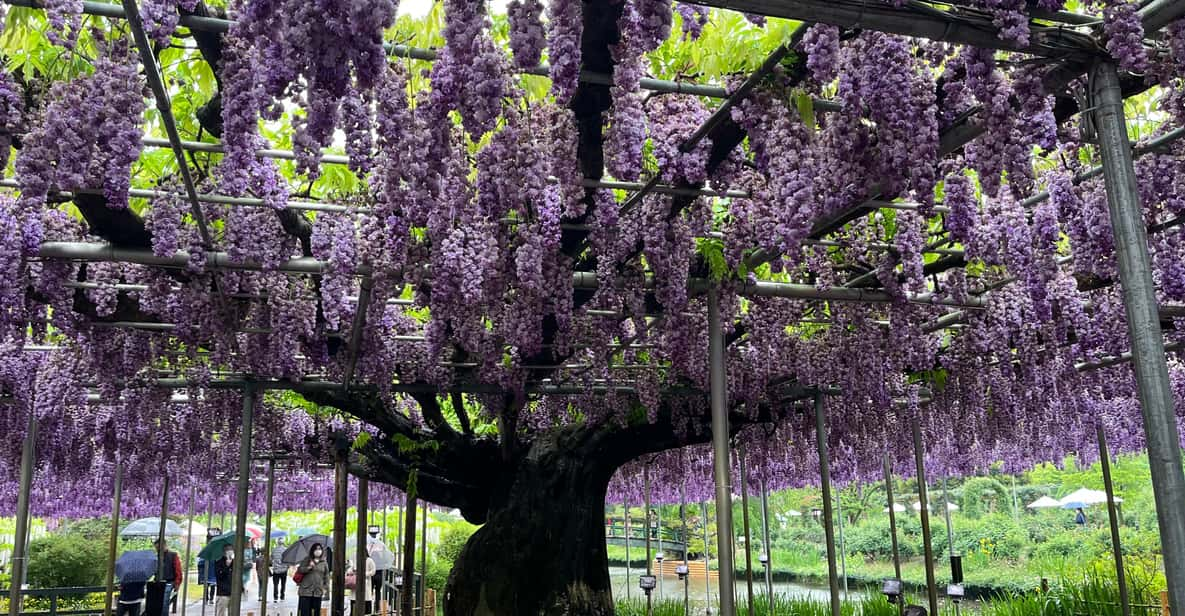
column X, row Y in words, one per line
column 542, row 550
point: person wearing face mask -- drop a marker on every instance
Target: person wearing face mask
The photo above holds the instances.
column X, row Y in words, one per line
column 223, row 572
column 314, row 584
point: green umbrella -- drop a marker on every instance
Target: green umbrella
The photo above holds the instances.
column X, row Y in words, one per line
column 214, row 549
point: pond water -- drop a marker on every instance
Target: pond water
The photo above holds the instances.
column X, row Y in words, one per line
column 701, row 597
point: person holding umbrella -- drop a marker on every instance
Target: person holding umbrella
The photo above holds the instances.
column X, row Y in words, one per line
column 223, row 574
column 172, row 569
column 313, row 583
column 134, row 569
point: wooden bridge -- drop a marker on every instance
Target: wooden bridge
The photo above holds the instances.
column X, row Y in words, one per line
column 666, row 540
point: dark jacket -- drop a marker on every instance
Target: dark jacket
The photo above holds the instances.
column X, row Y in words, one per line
column 316, row 578
column 131, row 592
column 172, row 569
column 223, row 573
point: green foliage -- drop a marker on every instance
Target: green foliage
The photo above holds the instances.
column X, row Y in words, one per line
column 65, row 560
column 981, row 495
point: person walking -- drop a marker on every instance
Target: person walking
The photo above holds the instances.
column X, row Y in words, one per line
column 223, row 574
column 1080, row 518
column 262, row 572
column 361, row 590
column 131, row 595
column 172, row 570
column 279, row 572
column 314, row 582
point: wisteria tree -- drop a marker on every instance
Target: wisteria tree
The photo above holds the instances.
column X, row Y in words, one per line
column 499, row 266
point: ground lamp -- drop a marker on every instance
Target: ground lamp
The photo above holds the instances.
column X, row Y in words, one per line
column 891, row 588
column 659, row 557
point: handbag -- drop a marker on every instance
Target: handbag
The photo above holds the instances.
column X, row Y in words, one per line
column 351, row 581
column 298, row 577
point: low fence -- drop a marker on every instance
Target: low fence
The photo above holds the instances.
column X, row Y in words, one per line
column 59, row 601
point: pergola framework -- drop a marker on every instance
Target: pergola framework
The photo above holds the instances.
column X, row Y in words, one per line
column 1074, row 52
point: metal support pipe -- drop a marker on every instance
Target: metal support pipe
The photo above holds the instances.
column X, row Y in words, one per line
column 160, row 536
column 686, row 542
column 719, row 401
column 361, row 580
column 647, row 528
column 1147, row 341
column 20, row 544
column 765, row 547
column 629, row 574
column 707, row 564
column 893, row 529
column 745, row 525
column 407, row 588
column 113, row 540
column 236, row 583
column 658, row 534
column 267, row 533
column 188, row 544
column 341, row 478
column 919, row 455
column 1113, row 518
column 825, row 486
column 843, row 546
column 424, row 559
column 950, row 533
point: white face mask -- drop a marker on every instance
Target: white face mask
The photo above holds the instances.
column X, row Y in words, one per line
column 317, row 553
column 230, row 556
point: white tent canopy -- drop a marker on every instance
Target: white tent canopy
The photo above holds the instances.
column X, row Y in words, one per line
column 1044, row 502
column 897, row 507
column 1086, row 497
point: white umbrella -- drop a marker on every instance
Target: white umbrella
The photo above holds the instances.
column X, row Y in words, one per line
column 897, row 507
column 150, row 527
column 794, row 513
column 1086, row 497
column 1044, row 502
column 949, row 507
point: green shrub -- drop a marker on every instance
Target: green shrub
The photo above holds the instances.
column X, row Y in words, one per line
column 64, row 560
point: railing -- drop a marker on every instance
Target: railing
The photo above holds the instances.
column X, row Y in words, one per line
column 638, row 531
column 55, row 596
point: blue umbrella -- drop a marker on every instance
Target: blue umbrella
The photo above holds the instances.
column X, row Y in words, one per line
column 136, row 566
column 1075, row 505
column 276, row 534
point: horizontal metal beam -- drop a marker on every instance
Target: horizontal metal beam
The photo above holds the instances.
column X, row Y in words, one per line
column 917, row 19
column 1160, row 13
column 1107, row 362
column 90, row 251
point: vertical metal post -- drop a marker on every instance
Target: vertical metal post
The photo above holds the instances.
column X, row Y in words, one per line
column 1143, row 321
column 649, row 558
column 1113, row 515
column 188, row 548
column 843, row 547
column 825, row 484
column 745, row 523
column 658, row 533
column 204, row 576
column 686, row 541
column 20, row 542
column 707, row 565
column 1015, row 509
column 919, row 455
column 765, row 547
column 893, row 530
column 361, row 580
column 160, row 536
column 236, row 583
column 629, row 574
column 112, row 542
column 950, row 534
column 267, row 534
column 407, row 589
column 719, row 398
column 424, row 560
column 337, row 601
